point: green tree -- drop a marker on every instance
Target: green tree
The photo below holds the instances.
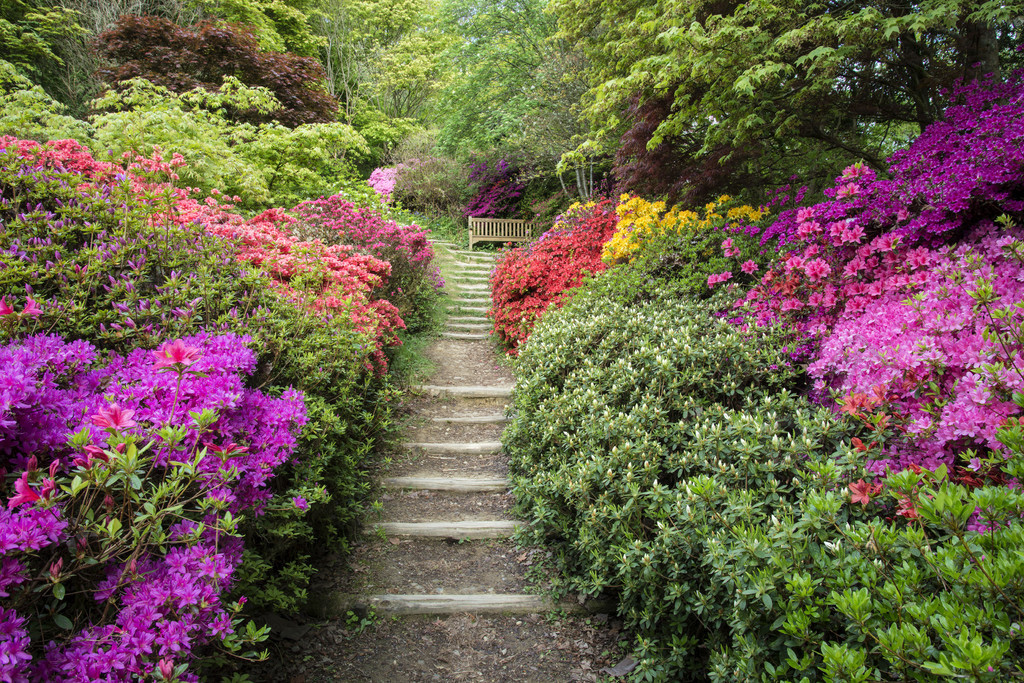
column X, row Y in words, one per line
column 518, row 85
column 788, row 86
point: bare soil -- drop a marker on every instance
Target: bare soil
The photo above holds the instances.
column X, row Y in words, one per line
column 429, row 506
column 466, row 363
column 531, row 648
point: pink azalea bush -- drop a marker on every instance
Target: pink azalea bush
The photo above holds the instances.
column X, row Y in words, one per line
column 335, row 279
column 882, row 279
column 119, row 543
column 382, row 180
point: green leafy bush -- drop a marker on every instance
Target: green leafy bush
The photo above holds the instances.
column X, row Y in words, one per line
column 266, row 164
column 663, row 455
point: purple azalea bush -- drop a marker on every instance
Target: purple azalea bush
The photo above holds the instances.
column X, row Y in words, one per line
column 499, row 190
column 119, row 544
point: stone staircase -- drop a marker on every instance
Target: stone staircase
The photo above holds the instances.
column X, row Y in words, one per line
column 450, row 494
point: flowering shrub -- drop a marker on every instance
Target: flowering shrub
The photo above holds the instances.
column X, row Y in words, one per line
column 873, row 237
column 640, row 220
column 431, row 185
column 113, row 255
column 661, row 453
column 120, row 541
column 851, row 262
column 935, row 358
column 414, row 281
column 499, row 190
column 528, row 280
column 335, row 279
column 382, row 180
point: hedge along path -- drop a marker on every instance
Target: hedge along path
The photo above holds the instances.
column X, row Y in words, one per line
column 437, row 570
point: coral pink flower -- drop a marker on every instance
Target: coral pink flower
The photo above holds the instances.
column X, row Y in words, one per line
column 23, row 492
column 166, row 668
column 749, row 267
column 175, row 353
column 861, row 491
column 114, row 417
column 31, row 308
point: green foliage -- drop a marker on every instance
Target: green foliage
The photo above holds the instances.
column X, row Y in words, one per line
column 266, row 165
column 786, row 86
column 28, row 31
column 382, row 134
column 661, row 453
column 279, row 26
column 26, row 111
column 383, row 56
column 517, row 87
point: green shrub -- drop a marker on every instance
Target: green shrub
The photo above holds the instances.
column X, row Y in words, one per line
column 661, row 453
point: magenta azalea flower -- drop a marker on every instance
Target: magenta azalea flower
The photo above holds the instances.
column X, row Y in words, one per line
column 4, row 308
column 300, row 502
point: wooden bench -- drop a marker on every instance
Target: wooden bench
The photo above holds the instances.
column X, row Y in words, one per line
column 501, row 230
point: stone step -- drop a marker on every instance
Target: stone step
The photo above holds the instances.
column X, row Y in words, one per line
column 465, row 336
column 476, row 309
column 478, row 603
column 475, row 529
column 478, row 448
column 454, row 327
column 468, row 319
column 470, row 300
column 472, row 288
column 499, row 391
column 472, row 419
column 480, row 268
column 459, row 485
column 472, row 275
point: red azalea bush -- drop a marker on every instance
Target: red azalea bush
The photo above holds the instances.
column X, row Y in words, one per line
column 528, row 280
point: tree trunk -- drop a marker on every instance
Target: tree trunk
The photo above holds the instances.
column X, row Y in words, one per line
column 979, row 47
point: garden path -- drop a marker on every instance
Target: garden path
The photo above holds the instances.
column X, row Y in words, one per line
column 437, row 590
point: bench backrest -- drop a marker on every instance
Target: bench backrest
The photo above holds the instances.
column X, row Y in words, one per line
column 501, row 230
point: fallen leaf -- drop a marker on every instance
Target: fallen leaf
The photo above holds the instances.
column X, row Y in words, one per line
column 394, row 541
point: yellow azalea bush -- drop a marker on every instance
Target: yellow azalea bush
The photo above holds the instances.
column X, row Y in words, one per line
column 640, row 220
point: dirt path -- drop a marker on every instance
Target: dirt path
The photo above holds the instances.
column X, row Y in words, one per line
column 435, row 590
